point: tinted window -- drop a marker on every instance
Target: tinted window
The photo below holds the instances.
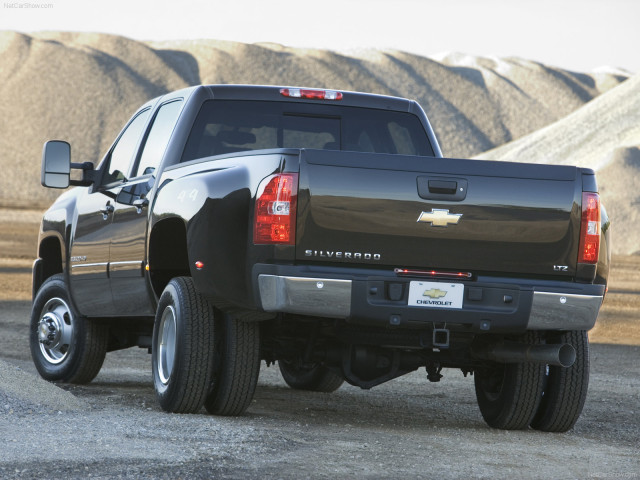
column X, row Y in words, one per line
column 225, row 126
column 300, row 131
column 123, row 152
column 401, row 135
column 158, row 137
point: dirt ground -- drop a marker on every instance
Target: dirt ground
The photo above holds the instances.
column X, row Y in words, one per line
column 407, row 428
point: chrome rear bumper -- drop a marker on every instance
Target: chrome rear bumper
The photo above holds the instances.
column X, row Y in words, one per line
column 305, row 296
column 335, row 298
column 557, row 311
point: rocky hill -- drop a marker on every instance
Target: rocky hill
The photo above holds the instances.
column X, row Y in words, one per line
column 603, row 135
column 83, row 87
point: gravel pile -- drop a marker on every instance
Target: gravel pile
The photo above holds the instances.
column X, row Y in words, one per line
column 23, row 393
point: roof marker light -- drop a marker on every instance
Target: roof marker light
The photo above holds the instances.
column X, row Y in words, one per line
column 311, row 94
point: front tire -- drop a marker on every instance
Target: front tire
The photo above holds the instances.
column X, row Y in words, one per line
column 509, row 394
column 65, row 347
column 315, row 379
column 182, row 347
column 566, row 388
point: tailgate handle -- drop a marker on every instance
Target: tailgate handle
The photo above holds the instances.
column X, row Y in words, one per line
column 443, row 186
column 435, row 187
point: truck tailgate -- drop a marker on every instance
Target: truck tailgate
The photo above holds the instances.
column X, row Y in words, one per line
column 424, row 212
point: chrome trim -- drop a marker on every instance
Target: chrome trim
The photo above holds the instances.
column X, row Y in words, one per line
column 90, row 268
column 133, row 268
column 305, row 296
column 557, row 311
column 134, row 263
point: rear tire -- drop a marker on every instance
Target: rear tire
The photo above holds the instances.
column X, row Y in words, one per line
column 237, row 366
column 315, row 379
column 182, row 347
column 65, row 347
column 509, row 394
column 566, row 388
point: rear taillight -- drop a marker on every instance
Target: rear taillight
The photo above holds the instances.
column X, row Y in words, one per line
column 312, row 94
column 275, row 215
column 590, row 229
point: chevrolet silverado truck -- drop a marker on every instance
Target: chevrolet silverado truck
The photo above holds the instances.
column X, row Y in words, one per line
column 322, row 230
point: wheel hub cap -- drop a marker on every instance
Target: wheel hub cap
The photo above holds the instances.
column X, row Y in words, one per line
column 166, row 345
column 49, row 331
column 55, row 330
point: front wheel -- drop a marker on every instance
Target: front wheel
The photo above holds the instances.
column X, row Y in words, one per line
column 509, row 394
column 65, row 347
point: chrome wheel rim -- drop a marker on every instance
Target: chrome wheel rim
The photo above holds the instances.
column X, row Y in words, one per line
column 55, row 330
column 166, row 344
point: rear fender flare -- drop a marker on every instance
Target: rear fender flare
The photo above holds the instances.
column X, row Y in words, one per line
column 216, row 209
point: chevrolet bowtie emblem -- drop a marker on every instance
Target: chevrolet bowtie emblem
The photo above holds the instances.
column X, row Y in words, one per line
column 439, row 218
column 434, row 293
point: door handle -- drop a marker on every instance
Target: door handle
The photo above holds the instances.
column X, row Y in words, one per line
column 106, row 210
column 140, row 203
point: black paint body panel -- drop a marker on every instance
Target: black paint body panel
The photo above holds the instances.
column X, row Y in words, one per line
column 516, row 219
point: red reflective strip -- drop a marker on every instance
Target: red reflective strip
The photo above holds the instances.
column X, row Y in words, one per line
column 589, row 249
column 431, row 273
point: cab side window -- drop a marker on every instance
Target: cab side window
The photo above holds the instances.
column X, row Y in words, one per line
column 124, row 150
column 158, row 138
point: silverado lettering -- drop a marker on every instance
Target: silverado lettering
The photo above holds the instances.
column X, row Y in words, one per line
column 197, row 223
column 341, row 255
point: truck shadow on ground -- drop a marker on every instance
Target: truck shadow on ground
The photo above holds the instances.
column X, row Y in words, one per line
column 387, row 409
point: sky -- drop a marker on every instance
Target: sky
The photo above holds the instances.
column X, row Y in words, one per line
column 578, row 35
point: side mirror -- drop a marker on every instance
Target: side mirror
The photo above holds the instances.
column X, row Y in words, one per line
column 56, row 164
column 56, row 167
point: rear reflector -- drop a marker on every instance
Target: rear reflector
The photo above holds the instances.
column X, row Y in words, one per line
column 312, row 94
column 590, row 229
column 431, row 273
column 275, row 214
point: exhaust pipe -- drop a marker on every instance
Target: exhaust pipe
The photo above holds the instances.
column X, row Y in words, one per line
column 561, row 355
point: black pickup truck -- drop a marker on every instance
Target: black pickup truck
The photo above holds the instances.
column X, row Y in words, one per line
column 324, row 231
